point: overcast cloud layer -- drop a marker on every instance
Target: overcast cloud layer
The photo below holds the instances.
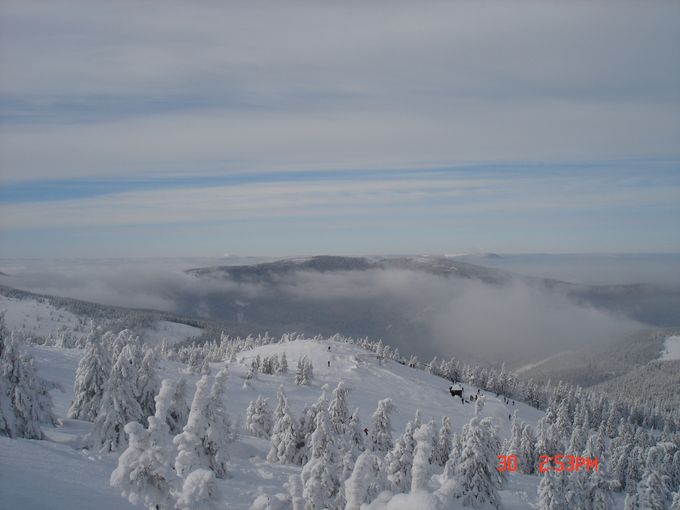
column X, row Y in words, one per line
column 335, row 127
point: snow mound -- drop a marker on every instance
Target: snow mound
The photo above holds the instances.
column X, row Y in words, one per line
column 671, row 349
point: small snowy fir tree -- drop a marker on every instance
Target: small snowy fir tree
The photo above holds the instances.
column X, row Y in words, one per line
column 294, row 487
column 364, row 483
column 282, row 367
column 91, row 376
column 178, row 412
column 308, row 425
column 284, row 436
column 199, row 491
column 442, row 447
column 356, row 433
column 338, row 411
column 381, row 428
column 119, row 405
column 259, row 418
column 476, row 469
column 320, row 478
column 25, row 400
column 552, row 492
column 218, row 426
column 421, row 458
column 304, row 372
column 399, row 460
column 144, row 474
column 148, row 383
column 191, row 451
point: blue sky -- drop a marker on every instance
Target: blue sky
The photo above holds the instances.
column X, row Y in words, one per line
column 338, row 127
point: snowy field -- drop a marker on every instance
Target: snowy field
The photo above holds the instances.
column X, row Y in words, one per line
column 671, row 349
column 35, row 317
column 57, row 474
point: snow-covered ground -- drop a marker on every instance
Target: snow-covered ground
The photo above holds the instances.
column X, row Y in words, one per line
column 35, row 317
column 57, row 474
column 671, row 349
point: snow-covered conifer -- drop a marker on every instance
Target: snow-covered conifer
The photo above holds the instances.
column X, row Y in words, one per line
column 398, row 461
column 144, row 474
column 442, row 447
column 91, row 376
column 320, row 477
column 476, row 470
column 259, row 418
column 178, row 412
column 282, row 367
column 25, row 398
column 338, row 411
column 552, row 492
column 119, row 404
column 148, row 383
column 191, row 451
column 363, row 485
column 381, row 428
column 421, row 458
column 199, row 491
column 294, row 487
column 284, row 436
column 218, row 431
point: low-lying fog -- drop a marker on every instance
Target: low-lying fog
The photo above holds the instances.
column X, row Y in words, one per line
column 419, row 312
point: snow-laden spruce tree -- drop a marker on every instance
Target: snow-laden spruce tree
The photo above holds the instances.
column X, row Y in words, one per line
column 282, row 367
column 91, row 376
column 380, row 438
column 199, row 491
column 304, row 372
column 178, row 412
column 119, row 405
column 284, row 434
column 527, row 454
column 399, row 460
column 191, row 450
column 365, row 482
column 421, row 459
column 476, row 469
column 144, row 474
column 320, row 475
column 552, row 491
column 338, row 411
column 675, row 505
column 259, row 418
column 218, row 426
column 148, row 383
column 356, row 433
column 308, row 425
column 442, row 447
column 25, row 399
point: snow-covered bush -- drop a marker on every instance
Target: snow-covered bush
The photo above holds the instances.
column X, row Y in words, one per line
column 259, row 418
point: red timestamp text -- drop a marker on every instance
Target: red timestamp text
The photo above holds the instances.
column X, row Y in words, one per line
column 568, row 463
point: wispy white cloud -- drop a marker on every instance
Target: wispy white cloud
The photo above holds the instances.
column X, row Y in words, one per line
column 252, row 86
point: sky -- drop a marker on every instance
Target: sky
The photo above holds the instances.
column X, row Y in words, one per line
column 274, row 129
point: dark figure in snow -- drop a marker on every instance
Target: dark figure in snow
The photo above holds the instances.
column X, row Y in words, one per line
column 462, row 400
column 329, row 348
column 513, row 402
column 477, row 391
column 366, row 431
column 329, row 364
column 509, row 417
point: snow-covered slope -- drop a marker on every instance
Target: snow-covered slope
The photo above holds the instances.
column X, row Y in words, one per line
column 54, row 474
column 671, row 349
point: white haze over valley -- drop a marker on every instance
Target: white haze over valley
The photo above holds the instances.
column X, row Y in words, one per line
column 457, row 316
